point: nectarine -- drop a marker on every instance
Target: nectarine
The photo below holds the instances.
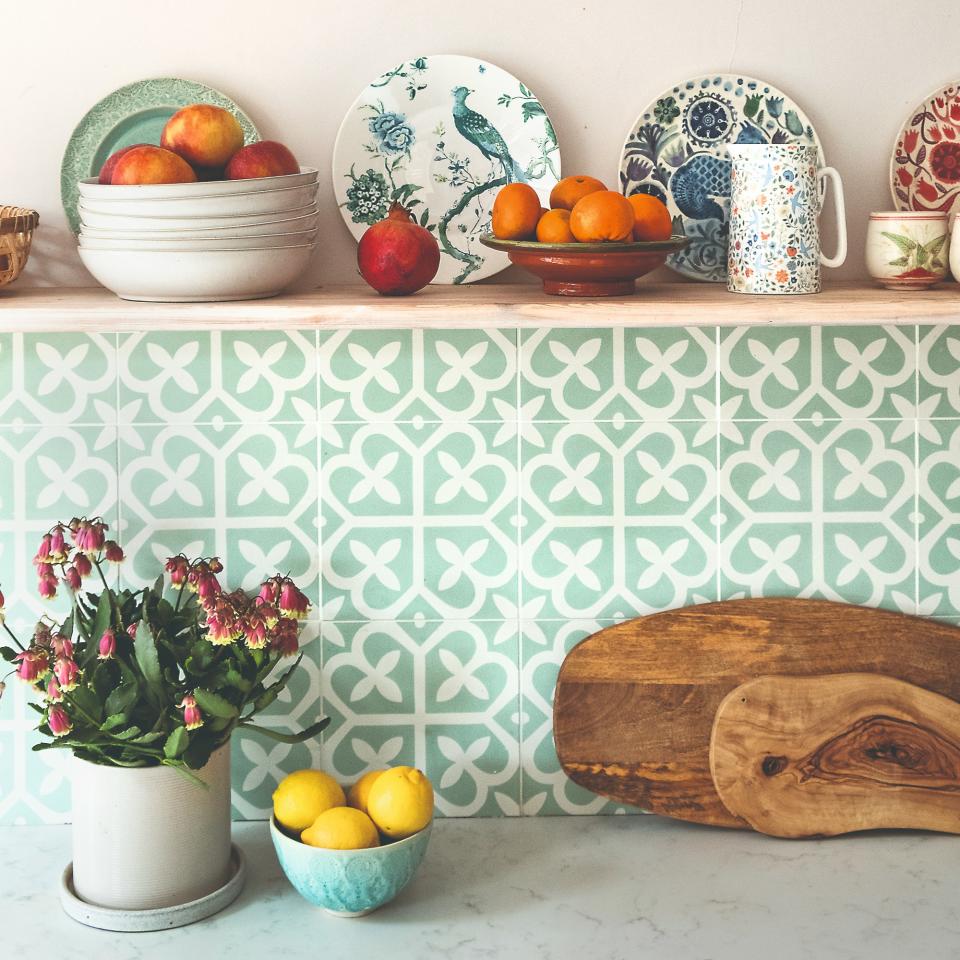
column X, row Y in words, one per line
column 106, row 171
column 204, row 135
column 264, row 159
column 148, row 164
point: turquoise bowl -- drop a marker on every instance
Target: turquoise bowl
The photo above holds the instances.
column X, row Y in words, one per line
column 350, row 883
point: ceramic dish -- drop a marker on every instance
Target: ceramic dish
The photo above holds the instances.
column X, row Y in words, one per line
column 160, row 918
column 270, row 229
column 350, row 883
column 588, row 269
column 135, row 113
column 91, row 189
column 677, row 151
column 925, row 164
column 112, row 221
column 442, row 134
column 230, row 205
column 215, row 243
column 907, row 249
column 184, row 277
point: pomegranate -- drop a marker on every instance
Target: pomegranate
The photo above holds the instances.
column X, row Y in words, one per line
column 397, row 256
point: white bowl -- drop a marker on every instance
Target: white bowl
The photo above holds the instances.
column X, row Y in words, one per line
column 262, row 242
column 262, row 202
column 235, row 225
column 183, row 277
column 273, row 228
column 91, row 189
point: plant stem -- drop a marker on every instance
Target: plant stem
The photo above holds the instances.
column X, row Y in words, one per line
column 13, row 637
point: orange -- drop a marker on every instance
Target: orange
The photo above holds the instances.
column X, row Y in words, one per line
column 516, row 211
column 554, row 227
column 651, row 218
column 571, row 189
column 602, row 216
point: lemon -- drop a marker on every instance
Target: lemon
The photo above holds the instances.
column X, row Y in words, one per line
column 302, row 796
column 359, row 793
column 400, row 802
column 342, row 828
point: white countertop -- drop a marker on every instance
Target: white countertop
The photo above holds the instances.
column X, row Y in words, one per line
column 579, row 887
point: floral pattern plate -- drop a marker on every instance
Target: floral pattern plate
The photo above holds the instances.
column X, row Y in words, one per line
column 441, row 134
column 925, row 166
column 135, row 113
column 677, row 151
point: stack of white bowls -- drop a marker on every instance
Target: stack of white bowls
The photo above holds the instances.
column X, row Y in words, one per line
column 214, row 240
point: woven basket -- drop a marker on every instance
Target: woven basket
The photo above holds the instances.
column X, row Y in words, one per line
column 16, row 234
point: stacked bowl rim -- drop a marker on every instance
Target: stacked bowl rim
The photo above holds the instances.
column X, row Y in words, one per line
column 90, row 187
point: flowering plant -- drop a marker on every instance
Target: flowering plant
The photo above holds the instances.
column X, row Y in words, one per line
column 133, row 680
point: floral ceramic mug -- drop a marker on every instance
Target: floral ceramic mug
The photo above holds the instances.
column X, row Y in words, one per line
column 907, row 249
column 775, row 204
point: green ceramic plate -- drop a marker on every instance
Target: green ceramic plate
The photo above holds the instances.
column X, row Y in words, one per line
column 135, row 113
column 676, row 242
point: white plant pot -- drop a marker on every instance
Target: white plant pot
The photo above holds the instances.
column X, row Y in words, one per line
column 148, row 837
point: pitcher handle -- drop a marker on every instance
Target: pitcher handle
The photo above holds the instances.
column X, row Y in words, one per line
column 841, row 255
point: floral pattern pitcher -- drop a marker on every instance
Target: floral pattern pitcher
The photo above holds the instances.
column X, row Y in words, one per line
column 775, row 202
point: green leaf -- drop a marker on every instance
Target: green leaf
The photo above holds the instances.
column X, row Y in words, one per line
column 305, row 734
column 921, row 256
column 102, row 620
column 215, row 705
column 122, row 698
column 87, row 701
column 793, row 123
column 899, row 262
column 935, row 245
column 532, row 109
column 8, row 653
column 273, row 691
column 903, row 244
column 145, row 651
column 113, row 721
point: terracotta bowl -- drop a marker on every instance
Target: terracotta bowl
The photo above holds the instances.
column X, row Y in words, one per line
column 587, row 269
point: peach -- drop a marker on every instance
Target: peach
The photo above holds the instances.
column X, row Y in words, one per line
column 204, row 135
column 264, row 159
column 148, row 164
column 106, row 171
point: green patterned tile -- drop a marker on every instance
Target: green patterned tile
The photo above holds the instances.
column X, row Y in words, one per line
column 546, row 788
column 830, row 372
column 245, row 493
column 939, row 516
column 440, row 696
column 57, row 378
column 418, row 521
column 216, row 377
column 631, row 374
column 397, row 375
column 820, row 510
column 617, row 520
column 939, row 371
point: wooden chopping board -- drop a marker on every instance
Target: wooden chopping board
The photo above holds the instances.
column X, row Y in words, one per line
column 819, row 756
column 635, row 703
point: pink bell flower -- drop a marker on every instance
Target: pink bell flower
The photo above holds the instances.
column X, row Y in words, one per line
column 284, row 639
column 58, row 548
column 71, row 577
column 3, row 612
column 132, row 630
column 208, row 587
column 293, row 603
column 82, row 563
column 47, row 586
column 113, row 551
column 67, row 673
column 58, row 721
column 43, row 554
column 53, row 691
column 32, row 665
column 255, row 631
column 178, row 568
column 62, row 646
column 268, row 592
column 192, row 717
column 107, row 646
column 89, row 537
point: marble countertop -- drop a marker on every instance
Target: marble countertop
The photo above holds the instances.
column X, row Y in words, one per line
column 577, row 887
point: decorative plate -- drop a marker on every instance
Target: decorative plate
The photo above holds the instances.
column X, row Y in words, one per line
column 925, row 166
column 442, row 134
column 135, row 113
column 676, row 151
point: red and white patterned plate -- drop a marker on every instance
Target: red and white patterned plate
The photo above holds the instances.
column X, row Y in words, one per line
column 925, row 166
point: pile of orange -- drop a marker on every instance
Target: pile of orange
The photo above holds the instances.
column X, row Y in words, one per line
column 582, row 210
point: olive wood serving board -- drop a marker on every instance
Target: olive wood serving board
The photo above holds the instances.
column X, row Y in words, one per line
column 635, row 702
column 818, row 756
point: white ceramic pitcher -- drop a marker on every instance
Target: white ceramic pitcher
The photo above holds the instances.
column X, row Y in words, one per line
column 776, row 195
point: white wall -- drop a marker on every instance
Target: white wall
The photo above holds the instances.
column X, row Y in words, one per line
column 857, row 67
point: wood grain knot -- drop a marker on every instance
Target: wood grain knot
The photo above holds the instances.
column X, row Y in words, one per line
column 771, row 766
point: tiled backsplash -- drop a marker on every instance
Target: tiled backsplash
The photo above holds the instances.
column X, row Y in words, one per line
column 464, row 506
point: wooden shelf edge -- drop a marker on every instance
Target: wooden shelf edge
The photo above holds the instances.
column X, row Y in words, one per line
column 482, row 305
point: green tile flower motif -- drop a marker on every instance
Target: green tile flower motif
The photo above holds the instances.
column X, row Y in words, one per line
column 938, row 557
column 656, row 374
column 441, row 696
column 418, row 521
column 63, row 378
column 939, row 371
column 228, row 377
column 418, row 374
column 618, row 520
